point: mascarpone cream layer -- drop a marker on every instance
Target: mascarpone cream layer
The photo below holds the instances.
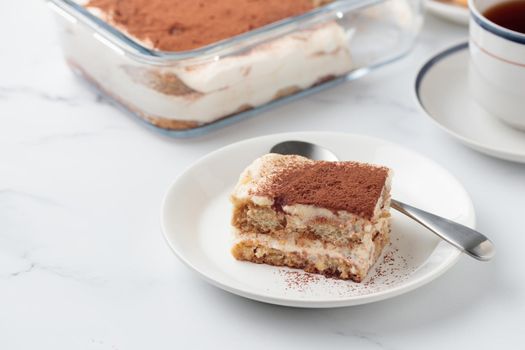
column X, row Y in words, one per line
column 361, row 254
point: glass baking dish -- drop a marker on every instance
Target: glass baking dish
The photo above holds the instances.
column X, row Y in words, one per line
column 189, row 93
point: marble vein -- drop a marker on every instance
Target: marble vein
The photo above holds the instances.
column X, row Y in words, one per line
column 367, row 337
column 33, row 266
column 9, row 192
column 25, row 91
column 28, row 269
column 361, row 99
column 74, row 135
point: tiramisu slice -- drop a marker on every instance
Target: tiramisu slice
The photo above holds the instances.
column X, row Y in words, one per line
column 330, row 218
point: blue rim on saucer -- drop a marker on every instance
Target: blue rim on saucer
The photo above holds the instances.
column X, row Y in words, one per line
column 430, row 63
column 513, row 150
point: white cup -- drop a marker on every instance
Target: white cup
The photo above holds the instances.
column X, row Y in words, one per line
column 497, row 66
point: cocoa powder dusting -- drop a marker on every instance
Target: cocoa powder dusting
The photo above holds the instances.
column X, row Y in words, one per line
column 354, row 187
column 298, row 280
column 179, row 25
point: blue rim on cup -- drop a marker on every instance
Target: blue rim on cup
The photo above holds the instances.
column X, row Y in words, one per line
column 494, row 28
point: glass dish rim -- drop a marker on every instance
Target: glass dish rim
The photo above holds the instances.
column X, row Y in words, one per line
column 133, row 47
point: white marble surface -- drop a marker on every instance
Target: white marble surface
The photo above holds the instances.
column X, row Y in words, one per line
column 82, row 261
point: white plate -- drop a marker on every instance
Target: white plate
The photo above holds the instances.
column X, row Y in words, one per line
column 196, row 213
column 454, row 13
column 442, row 91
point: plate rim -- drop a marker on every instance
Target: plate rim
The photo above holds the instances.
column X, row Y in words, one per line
column 450, row 12
column 451, row 260
column 422, row 72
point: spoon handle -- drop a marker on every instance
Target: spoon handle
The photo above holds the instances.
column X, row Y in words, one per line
column 466, row 239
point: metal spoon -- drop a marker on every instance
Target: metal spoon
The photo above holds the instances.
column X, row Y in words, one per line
column 466, row 239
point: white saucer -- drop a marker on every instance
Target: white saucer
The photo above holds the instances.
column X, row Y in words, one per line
column 442, row 91
column 454, row 13
column 196, row 213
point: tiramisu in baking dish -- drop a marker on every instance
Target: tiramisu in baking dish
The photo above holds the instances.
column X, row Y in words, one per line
column 182, row 65
column 331, row 218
